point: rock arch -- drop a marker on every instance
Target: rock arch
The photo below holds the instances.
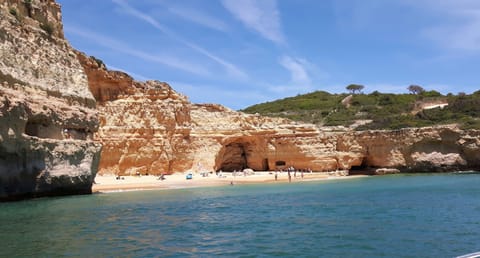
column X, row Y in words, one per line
column 232, row 157
column 238, row 154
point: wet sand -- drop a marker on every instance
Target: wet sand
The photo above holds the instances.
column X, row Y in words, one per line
column 109, row 183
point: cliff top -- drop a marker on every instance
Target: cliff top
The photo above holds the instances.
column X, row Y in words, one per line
column 377, row 110
column 34, row 53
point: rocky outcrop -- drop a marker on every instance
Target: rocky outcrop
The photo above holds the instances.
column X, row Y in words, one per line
column 429, row 149
column 148, row 128
column 51, row 133
column 386, row 171
column 146, row 132
column 47, row 113
column 144, row 126
column 230, row 140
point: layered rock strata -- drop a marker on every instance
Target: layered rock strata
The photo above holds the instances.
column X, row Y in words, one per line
column 144, row 127
column 229, row 140
column 48, row 119
column 148, row 128
column 47, row 113
column 429, row 149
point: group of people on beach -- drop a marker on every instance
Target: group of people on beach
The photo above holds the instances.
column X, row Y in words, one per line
column 291, row 170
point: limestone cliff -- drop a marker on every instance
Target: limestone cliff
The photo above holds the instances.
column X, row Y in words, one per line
column 47, row 113
column 429, row 149
column 228, row 140
column 144, row 127
column 148, row 128
column 54, row 101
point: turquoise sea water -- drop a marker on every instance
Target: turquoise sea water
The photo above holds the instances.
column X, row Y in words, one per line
column 435, row 215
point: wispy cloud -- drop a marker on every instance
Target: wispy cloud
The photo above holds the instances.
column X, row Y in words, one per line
column 302, row 75
column 260, row 16
column 461, row 36
column 459, row 25
column 297, row 71
column 116, row 45
column 199, row 18
column 231, row 69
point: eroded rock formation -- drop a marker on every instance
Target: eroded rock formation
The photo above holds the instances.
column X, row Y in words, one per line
column 47, row 113
column 429, row 149
column 148, row 128
column 50, row 94
column 144, row 127
column 230, row 140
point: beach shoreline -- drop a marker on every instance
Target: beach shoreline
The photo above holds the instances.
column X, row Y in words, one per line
column 112, row 183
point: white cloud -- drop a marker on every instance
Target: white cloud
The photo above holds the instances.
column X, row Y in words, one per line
column 450, row 24
column 260, row 16
column 197, row 17
column 459, row 28
column 303, row 74
column 231, row 69
column 296, row 68
column 116, row 45
column 463, row 36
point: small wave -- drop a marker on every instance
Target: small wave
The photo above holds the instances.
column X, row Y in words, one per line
column 470, row 255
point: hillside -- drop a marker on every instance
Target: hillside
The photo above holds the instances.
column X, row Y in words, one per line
column 376, row 110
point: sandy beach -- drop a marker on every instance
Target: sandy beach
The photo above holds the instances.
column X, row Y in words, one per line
column 109, row 183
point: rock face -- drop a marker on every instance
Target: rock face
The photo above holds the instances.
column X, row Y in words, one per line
column 229, row 140
column 429, row 149
column 51, row 133
column 144, row 127
column 47, row 113
column 148, row 128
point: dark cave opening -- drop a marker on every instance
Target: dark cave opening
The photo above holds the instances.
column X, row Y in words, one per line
column 234, row 158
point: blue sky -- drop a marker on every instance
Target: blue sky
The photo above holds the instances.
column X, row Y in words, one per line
column 242, row 52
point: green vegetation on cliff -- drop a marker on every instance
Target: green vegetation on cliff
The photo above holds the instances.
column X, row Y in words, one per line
column 381, row 110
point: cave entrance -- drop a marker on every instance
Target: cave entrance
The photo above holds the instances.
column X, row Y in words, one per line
column 41, row 128
column 33, row 128
column 233, row 157
column 265, row 166
column 359, row 170
column 280, row 164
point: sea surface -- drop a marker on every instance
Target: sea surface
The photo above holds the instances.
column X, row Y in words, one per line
column 434, row 215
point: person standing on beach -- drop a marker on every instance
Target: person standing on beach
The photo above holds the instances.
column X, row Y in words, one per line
column 276, row 175
column 289, row 176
